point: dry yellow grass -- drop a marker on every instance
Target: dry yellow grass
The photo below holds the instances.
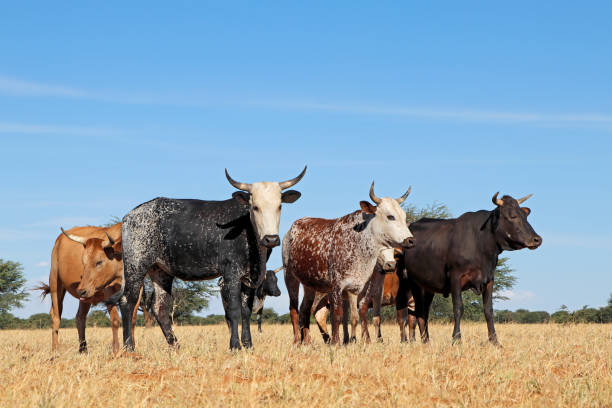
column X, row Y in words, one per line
column 539, row 366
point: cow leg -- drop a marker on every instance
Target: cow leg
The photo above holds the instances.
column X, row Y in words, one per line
column 81, row 320
column 412, row 321
column 320, row 315
column 246, row 307
column 427, row 299
column 335, row 303
column 354, row 316
column 419, row 310
column 305, row 310
column 162, row 288
column 363, row 316
column 230, row 295
column 115, row 321
column 487, row 301
column 345, row 316
column 259, row 313
column 134, row 280
column 457, row 310
column 401, row 306
column 293, row 289
column 57, row 300
column 134, row 317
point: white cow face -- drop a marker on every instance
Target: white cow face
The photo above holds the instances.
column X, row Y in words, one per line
column 265, row 202
column 389, row 221
column 386, row 259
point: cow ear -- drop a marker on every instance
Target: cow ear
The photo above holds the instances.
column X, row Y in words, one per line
column 526, row 210
column 367, row 208
column 242, row 196
column 290, row 196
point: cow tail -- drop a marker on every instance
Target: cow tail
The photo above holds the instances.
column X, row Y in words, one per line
column 44, row 288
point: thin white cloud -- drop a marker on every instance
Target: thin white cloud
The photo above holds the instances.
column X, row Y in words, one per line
column 41, row 264
column 24, row 128
column 518, row 296
column 18, row 87
column 14, row 86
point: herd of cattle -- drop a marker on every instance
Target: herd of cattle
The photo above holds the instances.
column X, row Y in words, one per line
column 363, row 260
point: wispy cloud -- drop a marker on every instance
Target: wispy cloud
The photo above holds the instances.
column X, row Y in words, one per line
column 18, row 87
column 36, row 129
column 41, row 264
column 518, row 296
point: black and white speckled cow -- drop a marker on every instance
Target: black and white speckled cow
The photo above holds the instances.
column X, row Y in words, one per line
column 201, row 240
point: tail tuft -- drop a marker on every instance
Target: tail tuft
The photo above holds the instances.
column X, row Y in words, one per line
column 45, row 289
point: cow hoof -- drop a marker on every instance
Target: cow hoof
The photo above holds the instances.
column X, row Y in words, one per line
column 326, row 338
column 353, row 340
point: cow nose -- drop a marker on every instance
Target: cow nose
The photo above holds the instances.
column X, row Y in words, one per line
column 409, row 243
column 389, row 266
column 270, row 241
column 535, row 242
column 82, row 292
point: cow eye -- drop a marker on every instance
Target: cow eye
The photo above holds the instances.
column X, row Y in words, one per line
column 255, row 208
column 98, row 263
column 390, row 218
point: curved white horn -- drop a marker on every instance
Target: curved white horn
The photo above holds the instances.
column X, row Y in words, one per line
column 238, row 185
column 289, row 183
column 74, row 238
column 373, row 196
column 496, row 200
column 521, row 200
column 404, row 196
column 277, row 270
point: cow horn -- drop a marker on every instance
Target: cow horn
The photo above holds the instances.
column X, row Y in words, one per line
column 527, row 197
column 497, row 201
column 277, row 270
column 403, row 197
column 373, row 196
column 110, row 240
column 289, row 183
column 238, row 185
column 74, row 238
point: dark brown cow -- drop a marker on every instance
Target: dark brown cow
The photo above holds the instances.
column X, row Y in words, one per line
column 337, row 256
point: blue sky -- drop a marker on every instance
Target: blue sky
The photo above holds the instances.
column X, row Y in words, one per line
column 104, row 107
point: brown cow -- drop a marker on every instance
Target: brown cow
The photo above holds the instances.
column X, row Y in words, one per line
column 87, row 262
column 337, row 256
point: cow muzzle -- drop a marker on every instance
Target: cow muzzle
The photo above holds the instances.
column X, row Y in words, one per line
column 270, row 241
column 389, row 267
column 535, row 242
column 409, row 243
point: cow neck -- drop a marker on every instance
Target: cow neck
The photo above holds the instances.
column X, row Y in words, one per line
column 490, row 227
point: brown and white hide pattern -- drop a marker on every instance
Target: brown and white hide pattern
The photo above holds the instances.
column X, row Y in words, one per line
column 337, row 256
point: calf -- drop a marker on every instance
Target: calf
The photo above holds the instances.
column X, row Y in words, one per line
column 269, row 287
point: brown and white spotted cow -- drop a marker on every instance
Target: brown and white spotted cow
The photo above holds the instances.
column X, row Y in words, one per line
column 337, row 256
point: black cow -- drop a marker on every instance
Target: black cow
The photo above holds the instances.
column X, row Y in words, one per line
column 454, row 255
column 269, row 287
column 200, row 240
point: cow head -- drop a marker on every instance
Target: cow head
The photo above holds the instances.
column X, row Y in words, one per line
column 386, row 260
column 269, row 287
column 264, row 200
column 513, row 230
column 388, row 220
column 102, row 267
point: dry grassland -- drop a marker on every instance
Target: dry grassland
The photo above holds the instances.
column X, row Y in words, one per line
column 539, row 366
